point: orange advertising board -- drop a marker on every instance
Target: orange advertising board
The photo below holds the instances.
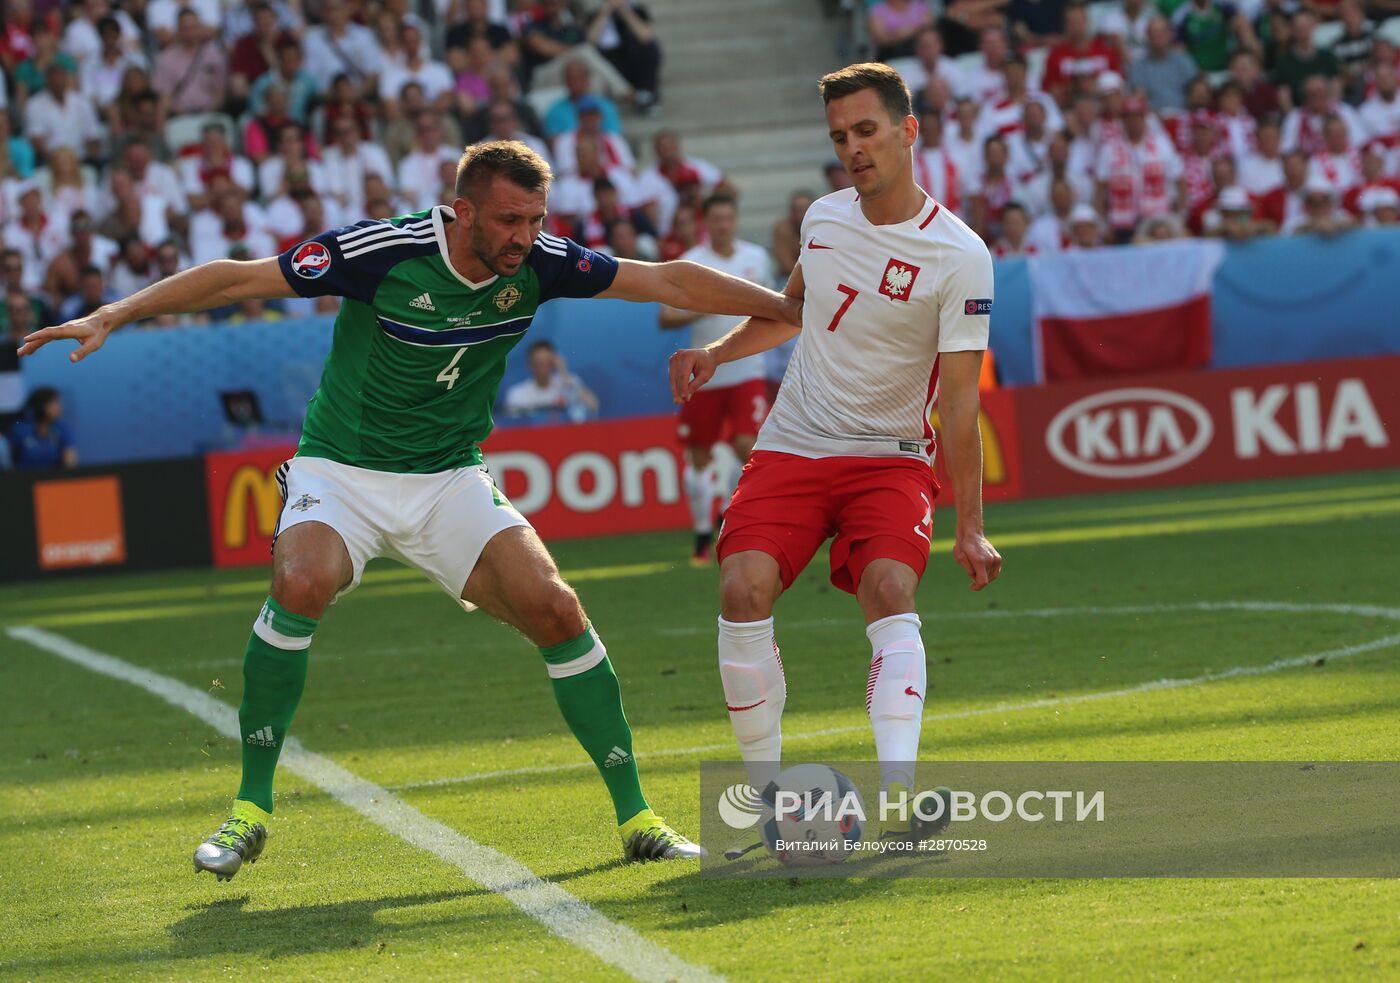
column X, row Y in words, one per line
column 79, row 522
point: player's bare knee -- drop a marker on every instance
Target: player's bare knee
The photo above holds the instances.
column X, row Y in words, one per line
column 555, row 615
column 746, row 594
column 887, row 592
column 305, row 588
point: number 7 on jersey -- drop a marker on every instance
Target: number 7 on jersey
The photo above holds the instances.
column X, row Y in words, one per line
column 851, row 293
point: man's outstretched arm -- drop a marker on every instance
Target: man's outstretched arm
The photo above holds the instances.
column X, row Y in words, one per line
column 692, row 287
column 214, row 284
column 691, row 368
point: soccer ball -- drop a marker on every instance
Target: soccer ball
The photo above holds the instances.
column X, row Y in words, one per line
column 825, row 825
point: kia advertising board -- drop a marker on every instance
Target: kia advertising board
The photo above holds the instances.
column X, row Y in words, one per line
column 1274, row 421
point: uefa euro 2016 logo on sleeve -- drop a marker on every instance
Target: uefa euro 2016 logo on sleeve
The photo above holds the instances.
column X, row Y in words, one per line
column 311, row 260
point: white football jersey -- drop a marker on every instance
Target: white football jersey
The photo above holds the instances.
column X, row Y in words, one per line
column 881, row 302
column 749, row 261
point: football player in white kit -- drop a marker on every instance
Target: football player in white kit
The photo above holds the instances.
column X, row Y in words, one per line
column 733, row 406
column 897, row 297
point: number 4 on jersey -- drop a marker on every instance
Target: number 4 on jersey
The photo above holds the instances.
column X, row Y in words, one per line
column 851, row 294
column 451, row 372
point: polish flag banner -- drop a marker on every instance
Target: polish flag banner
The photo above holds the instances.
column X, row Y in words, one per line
column 1115, row 311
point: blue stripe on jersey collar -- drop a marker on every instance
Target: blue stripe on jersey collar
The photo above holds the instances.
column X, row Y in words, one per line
column 453, row 337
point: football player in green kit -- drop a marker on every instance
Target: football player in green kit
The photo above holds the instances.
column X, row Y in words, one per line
column 389, row 462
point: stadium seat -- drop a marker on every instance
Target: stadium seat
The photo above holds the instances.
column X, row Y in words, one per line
column 904, row 66
column 1035, row 65
column 969, row 61
column 1097, row 13
column 542, row 97
column 1328, row 33
column 183, row 131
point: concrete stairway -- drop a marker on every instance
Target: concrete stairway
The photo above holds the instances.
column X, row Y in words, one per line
column 739, row 83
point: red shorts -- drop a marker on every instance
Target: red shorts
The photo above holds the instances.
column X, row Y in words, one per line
column 743, row 407
column 876, row 507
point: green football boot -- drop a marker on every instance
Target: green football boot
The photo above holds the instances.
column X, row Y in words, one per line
column 646, row 836
column 240, row 839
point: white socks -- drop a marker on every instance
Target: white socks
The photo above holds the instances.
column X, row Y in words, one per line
column 754, row 692
column 894, row 696
column 700, row 494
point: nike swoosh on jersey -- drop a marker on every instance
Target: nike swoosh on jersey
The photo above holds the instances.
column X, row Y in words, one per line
column 813, row 244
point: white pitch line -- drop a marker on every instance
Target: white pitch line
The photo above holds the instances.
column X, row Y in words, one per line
column 563, row 914
column 933, row 617
column 1295, row 662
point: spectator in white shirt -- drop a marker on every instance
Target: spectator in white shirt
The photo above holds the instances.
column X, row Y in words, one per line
column 215, row 158
column 984, row 82
column 419, row 168
column 552, row 392
column 83, row 37
column 503, row 123
column 67, row 188
column 216, row 231
column 929, row 62
column 346, row 164
column 340, row 46
column 1262, row 170
column 1380, row 113
column 1006, row 115
column 1050, row 232
column 61, row 117
column 134, row 269
column 1126, row 26
column 1338, row 164
column 238, row 21
column 434, row 76
column 289, row 165
column 615, row 151
column 30, row 233
column 662, row 182
column 153, row 178
column 1302, row 127
column 963, row 143
column 162, row 17
column 572, row 195
column 102, row 73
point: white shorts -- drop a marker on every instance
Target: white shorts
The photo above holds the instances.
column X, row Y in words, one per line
column 438, row 523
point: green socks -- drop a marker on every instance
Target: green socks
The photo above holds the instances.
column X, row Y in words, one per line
column 586, row 689
column 274, row 674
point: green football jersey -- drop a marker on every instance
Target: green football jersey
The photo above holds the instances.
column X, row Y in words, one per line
column 419, row 350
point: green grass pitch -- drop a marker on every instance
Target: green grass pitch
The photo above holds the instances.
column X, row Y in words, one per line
column 105, row 789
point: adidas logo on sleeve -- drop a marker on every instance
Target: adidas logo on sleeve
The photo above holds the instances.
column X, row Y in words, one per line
column 262, row 737
column 423, row 302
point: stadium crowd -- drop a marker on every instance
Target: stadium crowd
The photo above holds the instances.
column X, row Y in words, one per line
column 140, row 136
column 1051, row 126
